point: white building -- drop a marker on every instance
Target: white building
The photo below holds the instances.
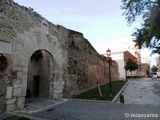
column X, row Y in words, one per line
column 122, row 53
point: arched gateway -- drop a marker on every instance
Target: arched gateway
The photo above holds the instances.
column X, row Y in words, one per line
column 41, row 69
column 44, row 78
column 41, row 78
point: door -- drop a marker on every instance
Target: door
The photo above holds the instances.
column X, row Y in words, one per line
column 36, row 85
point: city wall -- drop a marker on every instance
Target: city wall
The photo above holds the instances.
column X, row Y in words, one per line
column 73, row 64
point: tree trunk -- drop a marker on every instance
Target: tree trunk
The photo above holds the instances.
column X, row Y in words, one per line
column 131, row 75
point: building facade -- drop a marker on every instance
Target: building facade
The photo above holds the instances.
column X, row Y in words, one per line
column 121, row 58
column 158, row 63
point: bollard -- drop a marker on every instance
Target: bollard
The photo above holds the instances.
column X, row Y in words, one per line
column 121, row 98
column 99, row 89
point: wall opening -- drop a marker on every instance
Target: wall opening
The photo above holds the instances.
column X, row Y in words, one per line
column 39, row 72
column 36, row 85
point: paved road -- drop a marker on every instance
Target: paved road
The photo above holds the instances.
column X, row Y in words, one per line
column 142, row 91
column 93, row 110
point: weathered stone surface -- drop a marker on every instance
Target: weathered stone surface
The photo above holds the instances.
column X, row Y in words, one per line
column 3, row 88
column 24, row 91
column 55, row 95
column 20, row 102
column 11, row 101
column 16, row 81
column 85, row 66
column 16, row 85
column 69, row 63
column 11, row 108
column 9, row 92
column 17, row 92
column 2, row 104
column 19, row 74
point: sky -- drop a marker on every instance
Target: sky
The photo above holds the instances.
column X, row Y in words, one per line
column 100, row 21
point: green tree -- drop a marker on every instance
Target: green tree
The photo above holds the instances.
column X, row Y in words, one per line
column 149, row 33
column 131, row 66
column 154, row 68
column 148, row 69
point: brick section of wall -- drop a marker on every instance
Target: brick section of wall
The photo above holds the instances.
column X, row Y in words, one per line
column 85, row 66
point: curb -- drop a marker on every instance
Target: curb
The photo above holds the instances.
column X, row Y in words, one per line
column 41, row 109
column 116, row 97
column 88, row 100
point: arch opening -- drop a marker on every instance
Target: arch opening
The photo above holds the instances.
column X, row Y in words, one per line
column 40, row 72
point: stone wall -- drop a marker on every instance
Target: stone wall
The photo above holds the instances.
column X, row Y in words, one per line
column 26, row 32
column 85, row 66
column 74, row 64
column 6, row 89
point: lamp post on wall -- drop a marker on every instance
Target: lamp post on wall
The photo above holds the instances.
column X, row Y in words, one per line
column 109, row 63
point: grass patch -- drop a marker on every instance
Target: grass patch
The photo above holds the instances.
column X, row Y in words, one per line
column 93, row 94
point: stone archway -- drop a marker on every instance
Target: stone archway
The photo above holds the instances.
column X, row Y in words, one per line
column 23, row 46
column 40, row 68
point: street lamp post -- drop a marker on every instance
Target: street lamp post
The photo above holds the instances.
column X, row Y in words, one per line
column 109, row 63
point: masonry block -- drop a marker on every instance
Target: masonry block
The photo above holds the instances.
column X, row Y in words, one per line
column 9, row 92
column 19, row 74
column 11, row 108
column 20, row 102
column 17, row 92
column 11, row 101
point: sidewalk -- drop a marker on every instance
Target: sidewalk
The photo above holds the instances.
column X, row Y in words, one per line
column 142, row 91
column 33, row 106
column 95, row 110
column 40, row 104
